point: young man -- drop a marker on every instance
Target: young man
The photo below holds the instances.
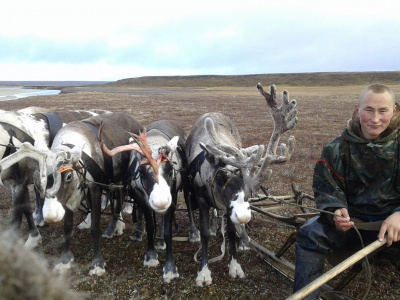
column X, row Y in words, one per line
column 356, row 178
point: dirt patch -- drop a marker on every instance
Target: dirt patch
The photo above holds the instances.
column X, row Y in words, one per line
column 322, row 113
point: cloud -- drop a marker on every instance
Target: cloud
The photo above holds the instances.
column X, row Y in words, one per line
column 130, row 39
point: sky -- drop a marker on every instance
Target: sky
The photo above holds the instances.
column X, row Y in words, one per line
column 91, row 40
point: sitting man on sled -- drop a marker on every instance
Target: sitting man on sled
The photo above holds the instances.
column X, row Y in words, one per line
column 357, row 178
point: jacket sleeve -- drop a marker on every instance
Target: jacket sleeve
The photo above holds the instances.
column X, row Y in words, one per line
column 329, row 183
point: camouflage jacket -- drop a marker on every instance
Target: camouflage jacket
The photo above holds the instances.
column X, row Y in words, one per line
column 362, row 176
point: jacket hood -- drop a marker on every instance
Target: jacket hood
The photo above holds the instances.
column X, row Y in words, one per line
column 353, row 131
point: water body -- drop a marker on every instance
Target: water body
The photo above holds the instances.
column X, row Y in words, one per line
column 18, row 93
column 38, row 93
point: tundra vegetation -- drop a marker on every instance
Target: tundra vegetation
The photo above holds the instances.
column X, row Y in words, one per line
column 323, row 111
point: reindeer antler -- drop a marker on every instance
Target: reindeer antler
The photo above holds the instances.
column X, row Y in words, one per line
column 140, row 145
column 118, row 149
column 237, row 157
column 285, row 118
column 141, row 141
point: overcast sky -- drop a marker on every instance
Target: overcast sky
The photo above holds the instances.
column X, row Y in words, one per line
column 112, row 40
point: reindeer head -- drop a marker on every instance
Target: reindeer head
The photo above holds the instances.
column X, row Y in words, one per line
column 233, row 169
column 63, row 181
column 155, row 171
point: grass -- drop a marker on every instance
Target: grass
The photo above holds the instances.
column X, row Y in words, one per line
column 323, row 111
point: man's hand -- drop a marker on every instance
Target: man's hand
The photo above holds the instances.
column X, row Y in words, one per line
column 391, row 226
column 342, row 219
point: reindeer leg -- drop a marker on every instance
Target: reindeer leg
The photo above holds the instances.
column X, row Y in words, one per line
column 18, row 192
column 235, row 270
column 22, row 206
column 137, row 235
column 214, row 223
column 151, row 257
column 194, row 233
column 204, row 274
column 116, row 226
column 67, row 257
column 160, row 241
column 170, row 269
column 38, row 214
column 98, row 265
column 34, row 238
column 243, row 237
column 25, row 208
column 120, row 226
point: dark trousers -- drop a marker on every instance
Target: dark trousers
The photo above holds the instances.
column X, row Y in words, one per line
column 317, row 239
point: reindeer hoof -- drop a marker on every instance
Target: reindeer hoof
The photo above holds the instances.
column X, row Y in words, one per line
column 98, row 271
column 199, row 283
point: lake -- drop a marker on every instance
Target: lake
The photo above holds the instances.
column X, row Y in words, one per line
column 14, row 93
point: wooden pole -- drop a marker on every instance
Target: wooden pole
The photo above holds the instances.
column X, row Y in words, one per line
column 312, row 286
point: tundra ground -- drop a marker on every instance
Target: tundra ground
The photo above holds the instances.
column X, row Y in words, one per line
column 322, row 115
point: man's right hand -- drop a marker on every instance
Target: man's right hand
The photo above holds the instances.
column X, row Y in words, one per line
column 342, row 219
column 391, row 226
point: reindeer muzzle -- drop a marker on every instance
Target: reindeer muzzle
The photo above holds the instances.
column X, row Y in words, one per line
column 241, row 212
column 53, row 211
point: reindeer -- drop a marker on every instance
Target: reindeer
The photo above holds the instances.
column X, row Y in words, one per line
column 155, row 186
column 224, row 175
column 19, row 130
column 78, row 172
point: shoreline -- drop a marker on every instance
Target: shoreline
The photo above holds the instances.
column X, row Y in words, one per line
column 15, row 93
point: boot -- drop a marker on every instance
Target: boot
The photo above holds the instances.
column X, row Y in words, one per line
column 309, row 266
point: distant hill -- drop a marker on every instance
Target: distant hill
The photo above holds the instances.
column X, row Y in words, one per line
column 291, row 79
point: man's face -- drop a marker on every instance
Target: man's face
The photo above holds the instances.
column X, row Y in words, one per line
column 375, row 112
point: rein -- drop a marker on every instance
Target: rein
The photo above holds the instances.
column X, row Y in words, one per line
column 360, row 224
column 9, row 146
column 228, row 180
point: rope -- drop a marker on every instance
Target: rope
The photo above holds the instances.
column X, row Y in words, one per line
column 219, row 257
column 9, row 146
column 367, row 264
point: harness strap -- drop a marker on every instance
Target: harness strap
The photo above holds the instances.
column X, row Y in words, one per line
column 108, row 163
column 69, row 168
column 160, row 130
column 194, row 166
column 133, row 168
column 92, row 167
column 18, row 133
column 55, row 124
column 140, row 187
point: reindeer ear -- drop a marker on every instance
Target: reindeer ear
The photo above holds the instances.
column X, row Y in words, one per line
column 76, row 153
column 173, row 144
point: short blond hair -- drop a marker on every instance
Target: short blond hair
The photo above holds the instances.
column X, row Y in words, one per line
column 377, row 89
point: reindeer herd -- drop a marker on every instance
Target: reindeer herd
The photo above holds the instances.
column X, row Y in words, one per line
column 90, row 159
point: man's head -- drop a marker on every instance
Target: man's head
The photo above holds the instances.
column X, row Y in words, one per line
column 375, row 108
